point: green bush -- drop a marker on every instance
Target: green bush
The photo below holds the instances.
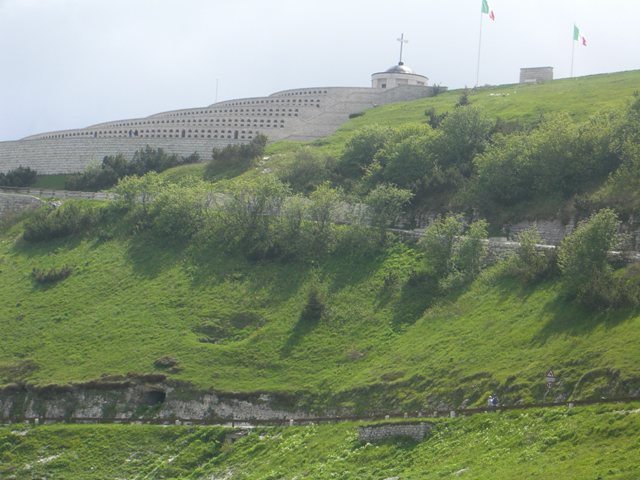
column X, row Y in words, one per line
column 315, row 304
column 385, row 203
column 306, row 169
column 72, row 217
column 179, row 212
column 248, row 219
column 18, row 177
column 236, row 157
column 116, row 167
column 583, row 260
column 361, row 149
column 52, row 275
column 529, row 262
column 452, row 255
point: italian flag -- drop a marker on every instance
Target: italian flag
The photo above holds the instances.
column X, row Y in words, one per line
column 486, row 8
column 577, row 37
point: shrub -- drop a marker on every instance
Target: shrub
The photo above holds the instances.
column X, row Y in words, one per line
column 434, row 119
column 451, row 256
column 322, row 214
column 19, row 177
column 361, row 148
column 52, row 275
column 236, row 157
column 306, row 169
column 385, row 204
column 116, row 167
column 179, row 212
column 315, row 305
column 530, row 263
column 249, row 216
column 68, row 219
column 583, row 259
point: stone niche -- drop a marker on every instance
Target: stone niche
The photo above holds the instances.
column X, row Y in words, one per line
column 381, row 432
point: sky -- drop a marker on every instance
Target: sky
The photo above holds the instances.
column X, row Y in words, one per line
column 74, row 63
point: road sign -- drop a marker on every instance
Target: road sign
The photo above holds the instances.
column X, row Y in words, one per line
column 550, row 378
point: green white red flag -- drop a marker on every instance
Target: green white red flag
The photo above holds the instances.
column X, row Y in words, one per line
column 577, row 37
column 486, row 9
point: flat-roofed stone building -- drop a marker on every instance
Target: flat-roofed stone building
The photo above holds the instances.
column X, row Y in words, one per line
column 536, row 74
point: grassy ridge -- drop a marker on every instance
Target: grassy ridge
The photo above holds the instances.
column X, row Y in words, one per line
column 580, row 97
column 585, row 442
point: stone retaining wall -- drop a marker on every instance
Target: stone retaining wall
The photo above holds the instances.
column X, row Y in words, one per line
column 379, row 433
column 14, row 203
column 72, row 155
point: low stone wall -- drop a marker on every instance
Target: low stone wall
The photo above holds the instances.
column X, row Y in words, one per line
column 58, row 194
column 551, row 231
column 381, row 432
column 14, row 203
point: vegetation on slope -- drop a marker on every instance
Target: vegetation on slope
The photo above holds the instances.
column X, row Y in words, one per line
column 395, row 329
column 584, row 442
column 246, row 300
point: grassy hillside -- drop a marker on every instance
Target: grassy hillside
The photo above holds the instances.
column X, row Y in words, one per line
column 594, row 442
column 235, row 325
column 581, row 97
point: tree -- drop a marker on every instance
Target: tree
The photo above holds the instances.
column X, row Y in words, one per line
column 465, row 132
column 250, row 212
column 235, row 157
column 306, row 169
column 322, row 213
column 439, row 243
column 361, row 149
column 452, row 255
column 136, row 193
column 583, row 258
column 471, row 251
column 410, row 162
column 385, row 203
column 18, row 177
column 180, row 211
column 290, row 226
column 530, row 262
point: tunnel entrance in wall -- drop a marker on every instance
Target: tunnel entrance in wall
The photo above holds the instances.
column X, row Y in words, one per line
column 235, row 135
column 183, row 133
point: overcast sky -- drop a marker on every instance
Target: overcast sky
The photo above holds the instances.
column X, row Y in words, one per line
column 73, row 63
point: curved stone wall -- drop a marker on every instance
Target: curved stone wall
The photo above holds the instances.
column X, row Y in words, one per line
column 298, row 114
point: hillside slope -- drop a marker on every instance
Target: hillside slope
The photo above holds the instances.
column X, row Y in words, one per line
column 594, row 442
column 235, row 325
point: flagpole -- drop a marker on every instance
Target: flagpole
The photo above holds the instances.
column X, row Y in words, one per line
column 573, row 48
column 479, row 50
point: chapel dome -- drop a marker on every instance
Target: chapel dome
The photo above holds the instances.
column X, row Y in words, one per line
column 400, row 68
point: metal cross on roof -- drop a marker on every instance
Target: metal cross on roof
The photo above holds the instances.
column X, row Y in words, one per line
column 402, row 42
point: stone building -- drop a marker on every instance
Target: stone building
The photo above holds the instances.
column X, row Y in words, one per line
column 298, row 114
column 536, row 74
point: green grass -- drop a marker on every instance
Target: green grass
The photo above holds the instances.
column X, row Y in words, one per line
column 582, row 443
column 580, row 97
column 235, row 325
column 54, row 182
column 181, row 172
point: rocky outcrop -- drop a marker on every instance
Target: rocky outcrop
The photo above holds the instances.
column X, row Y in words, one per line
column 150, row 396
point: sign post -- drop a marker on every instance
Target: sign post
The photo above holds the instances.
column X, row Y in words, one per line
column 551, row 379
